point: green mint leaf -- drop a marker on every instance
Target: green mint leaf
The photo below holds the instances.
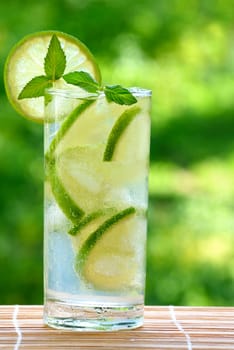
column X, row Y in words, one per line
column 83, row 80
column 55, row 60
column 35, row 87
column 120, row 95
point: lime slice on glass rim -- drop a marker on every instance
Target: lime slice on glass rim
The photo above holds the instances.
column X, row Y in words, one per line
column 26, row 61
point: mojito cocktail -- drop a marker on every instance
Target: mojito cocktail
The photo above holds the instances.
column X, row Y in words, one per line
column 96, row 169
column 95, row 210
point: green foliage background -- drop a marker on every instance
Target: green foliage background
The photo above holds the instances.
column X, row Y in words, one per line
column 183, row 51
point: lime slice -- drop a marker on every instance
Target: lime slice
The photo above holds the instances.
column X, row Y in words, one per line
column 63, row 199
column 130, row 135
column 26, row 61
column 109, row 258
column 120, row 125
column 97, row 234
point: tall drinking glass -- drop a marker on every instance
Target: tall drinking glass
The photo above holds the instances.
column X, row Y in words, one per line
column 96, row 196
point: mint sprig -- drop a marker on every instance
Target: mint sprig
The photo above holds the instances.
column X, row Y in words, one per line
column 54, row 68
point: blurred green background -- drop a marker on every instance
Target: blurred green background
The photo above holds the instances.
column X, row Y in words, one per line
column 183, row 51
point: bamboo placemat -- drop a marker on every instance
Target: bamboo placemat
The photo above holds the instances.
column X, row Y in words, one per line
column 165, row 327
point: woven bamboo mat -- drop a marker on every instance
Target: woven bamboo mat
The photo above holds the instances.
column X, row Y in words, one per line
column 165, row 327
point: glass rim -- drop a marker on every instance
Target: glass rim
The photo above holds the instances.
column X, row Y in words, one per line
column 82, row 94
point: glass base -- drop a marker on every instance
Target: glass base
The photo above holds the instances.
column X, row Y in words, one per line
column 92, row 318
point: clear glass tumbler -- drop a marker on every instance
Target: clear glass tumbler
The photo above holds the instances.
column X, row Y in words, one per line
column 96, row 197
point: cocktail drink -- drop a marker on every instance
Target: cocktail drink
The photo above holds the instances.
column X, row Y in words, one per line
column 95, row 210
column 96, row 170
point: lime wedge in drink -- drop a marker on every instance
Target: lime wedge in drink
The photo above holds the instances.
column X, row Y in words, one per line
column 118, row 129
column 109, row 258
column 27, row 61
column 131, row 125
column 63, row 199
